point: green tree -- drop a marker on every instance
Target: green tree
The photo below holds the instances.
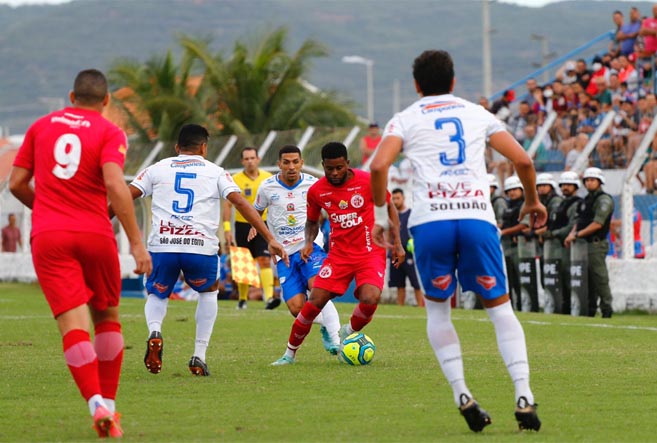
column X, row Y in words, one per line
column 159, row 99
column 260, row 87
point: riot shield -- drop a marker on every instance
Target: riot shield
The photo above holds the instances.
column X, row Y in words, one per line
column 552, row 277
column 579, row 278
column 527, row 272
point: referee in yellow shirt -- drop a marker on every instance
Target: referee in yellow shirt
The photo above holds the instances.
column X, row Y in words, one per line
column 248, row 181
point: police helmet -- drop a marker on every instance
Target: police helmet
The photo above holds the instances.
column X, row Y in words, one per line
column 492, row 180
column 569, row 178
column 512, row 182
column 594, row 173
column 546, row 179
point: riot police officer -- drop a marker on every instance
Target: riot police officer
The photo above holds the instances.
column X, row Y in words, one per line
column 511, row 227
column 593, row 220
column 546, row 187
column 497, row 201
column 560, row 223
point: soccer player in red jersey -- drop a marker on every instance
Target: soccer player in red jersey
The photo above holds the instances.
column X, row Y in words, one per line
column 346, row 196
column 76, row 158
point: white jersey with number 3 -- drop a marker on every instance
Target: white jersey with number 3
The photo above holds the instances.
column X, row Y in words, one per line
column 186, row 203
column 445, row 137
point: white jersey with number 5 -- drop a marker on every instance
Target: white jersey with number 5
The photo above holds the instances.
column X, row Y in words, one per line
column 186, row 203
column 445, row 137
column 286, row 209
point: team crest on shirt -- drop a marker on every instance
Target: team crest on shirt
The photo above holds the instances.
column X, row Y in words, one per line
column 343, row 204
column 357, row 201
column 290, row 195
column 327, row 204
column 326, row 271
column 486, row 281
column 290, row 206
column 291, row 220
column 442, row 282
column 248, row 192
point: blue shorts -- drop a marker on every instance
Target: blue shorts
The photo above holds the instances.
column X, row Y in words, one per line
column 200, row 272
column 468, row 248
column 294, row 279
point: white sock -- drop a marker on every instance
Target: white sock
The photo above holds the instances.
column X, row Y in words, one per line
column 512, row 346
column 111, row 405
column 291, row 351
column 319, row 320
column 331, row 321
column 155, row 310
column 206, row 314
column 96, row 401
column 446, row 346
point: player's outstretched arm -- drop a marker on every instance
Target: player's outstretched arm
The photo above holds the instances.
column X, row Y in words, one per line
column 121, row 200
column 20, row 187
column 252, row 216
column 505, row 144
column 135, row 192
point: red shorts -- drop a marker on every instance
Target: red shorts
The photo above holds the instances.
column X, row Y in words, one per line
column 77, row 268
column 337, row 273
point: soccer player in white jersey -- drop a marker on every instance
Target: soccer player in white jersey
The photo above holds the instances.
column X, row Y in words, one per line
column 453, row 222
column 186, row 192
column 284, row 197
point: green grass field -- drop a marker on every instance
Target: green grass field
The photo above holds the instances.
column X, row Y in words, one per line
column 594, row 379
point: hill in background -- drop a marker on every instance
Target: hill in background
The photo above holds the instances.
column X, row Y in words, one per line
column 43, row 47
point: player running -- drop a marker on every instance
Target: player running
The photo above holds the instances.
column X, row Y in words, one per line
column 453, row 223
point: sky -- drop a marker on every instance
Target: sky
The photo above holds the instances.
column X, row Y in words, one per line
column 531, row 3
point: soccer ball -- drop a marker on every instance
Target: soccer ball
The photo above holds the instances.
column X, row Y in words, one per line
column 357, row 349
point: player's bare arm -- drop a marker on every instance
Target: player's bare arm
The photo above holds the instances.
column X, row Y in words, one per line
column 398, row 250
column 120, row 198
column 135, row 192
column 388, row 150
column 252, row 231
column 252, row 216
column 225, row 215
column 20, row 187
column 505, row 144
column 311, row 231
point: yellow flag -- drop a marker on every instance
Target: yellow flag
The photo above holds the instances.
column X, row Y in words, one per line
column 243, row 266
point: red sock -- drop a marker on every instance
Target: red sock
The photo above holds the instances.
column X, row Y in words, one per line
column 82, row 362
column 362, row 315
column 109, row 348
column 302, row 324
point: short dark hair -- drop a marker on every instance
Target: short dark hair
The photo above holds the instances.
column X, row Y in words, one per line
column 191, row 137
column 248, row 148
column 433, row 70
column 397, row 191
column 90, row 87
column 288, row 149
column 333, row 150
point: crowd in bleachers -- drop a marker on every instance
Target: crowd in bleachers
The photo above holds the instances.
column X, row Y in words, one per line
column 581, row 95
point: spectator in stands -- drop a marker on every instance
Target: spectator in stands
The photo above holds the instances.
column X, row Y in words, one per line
column 541, row 156
column 628, row 32
column 599, row 71
column 531, row 86
column 650, row 170
column 501, row 107
column 11, row 235
column 483, row 101
column 567, row 74
column 369, row 142
column 614, row 86
column 574, row 150
column 603, row 96
column 628, row 73
column 649, row 33
column 518, row 122
column 614, row 45
column 539, row 108
column 582, row 73
column 625, row 125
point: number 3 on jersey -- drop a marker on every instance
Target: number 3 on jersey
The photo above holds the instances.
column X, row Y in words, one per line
column 188, row 192
column 455, row 128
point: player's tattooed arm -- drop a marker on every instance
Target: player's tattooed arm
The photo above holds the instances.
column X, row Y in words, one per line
column 311, row 232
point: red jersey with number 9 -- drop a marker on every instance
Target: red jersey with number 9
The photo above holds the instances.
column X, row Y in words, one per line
column 351, row 215
column 66, row 150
